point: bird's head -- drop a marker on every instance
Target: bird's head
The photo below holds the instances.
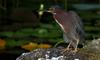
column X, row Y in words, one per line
column 54, row 9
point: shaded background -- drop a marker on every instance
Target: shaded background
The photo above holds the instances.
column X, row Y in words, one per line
column 23, row 27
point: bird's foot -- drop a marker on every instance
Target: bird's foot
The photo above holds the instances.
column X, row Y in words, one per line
column 73, row 52
column 66, row 50
column 69, row 51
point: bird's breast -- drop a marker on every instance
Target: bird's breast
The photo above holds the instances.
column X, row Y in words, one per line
column 65, row 25
column 60, row 25
column 65, row 28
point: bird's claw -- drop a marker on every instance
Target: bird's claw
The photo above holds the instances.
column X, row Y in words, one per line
column 73, row 52
column 69, row 51
column 66, row 50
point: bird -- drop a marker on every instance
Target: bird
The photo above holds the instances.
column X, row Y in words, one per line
column 71, row 25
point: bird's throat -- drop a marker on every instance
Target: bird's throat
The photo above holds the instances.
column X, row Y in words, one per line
column 60, row 25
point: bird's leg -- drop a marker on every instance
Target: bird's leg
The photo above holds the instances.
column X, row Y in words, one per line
column 66, row 49
column 76, row 45
column 68, row 46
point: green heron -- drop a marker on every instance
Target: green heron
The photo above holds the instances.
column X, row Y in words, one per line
column 70, row 24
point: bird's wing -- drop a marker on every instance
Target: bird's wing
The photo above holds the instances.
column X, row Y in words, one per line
column 77, row 23
column 76, row 19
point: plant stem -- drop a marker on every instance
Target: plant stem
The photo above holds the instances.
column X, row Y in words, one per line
column 58, row 43
column 65, row 5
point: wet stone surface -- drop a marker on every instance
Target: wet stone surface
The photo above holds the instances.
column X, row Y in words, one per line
column 52, row 54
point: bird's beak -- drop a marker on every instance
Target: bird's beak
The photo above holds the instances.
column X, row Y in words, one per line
column 44, row 11
column 47, row 11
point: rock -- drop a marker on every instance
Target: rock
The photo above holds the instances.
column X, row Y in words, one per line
column 51, row 54
column 93, row 46
column 91, row 51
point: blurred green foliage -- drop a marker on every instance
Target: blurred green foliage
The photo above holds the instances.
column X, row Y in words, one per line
column 48, row 30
